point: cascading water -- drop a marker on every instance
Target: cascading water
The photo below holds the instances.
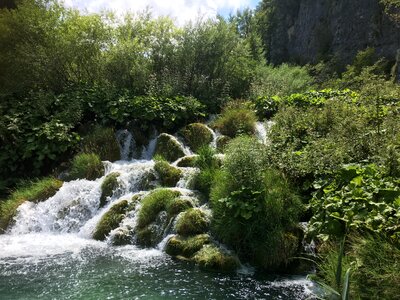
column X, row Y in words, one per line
column 49, row 253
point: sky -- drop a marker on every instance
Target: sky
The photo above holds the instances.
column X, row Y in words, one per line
column 181, row 10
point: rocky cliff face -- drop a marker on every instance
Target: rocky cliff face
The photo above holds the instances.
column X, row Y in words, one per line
column 308, row 30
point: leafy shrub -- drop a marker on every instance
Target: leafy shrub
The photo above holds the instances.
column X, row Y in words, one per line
column 110, row 220
column 34, row 191
column 191, row 222
column 197, row 135
column 102, row 141
column 253, row 206
column 357, row 198
column 235, row 121
column 86, row 166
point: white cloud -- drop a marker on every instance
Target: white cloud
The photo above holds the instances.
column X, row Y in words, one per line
column 181, row 10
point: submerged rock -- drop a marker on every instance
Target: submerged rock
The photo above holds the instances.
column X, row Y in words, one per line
column 169, row 147
column 196, row 135
column 109, row 185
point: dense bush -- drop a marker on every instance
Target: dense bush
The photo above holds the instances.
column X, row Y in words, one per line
column 208, row 165
column 254, row 206
column 236, row 119
column 103, row 142
column 357, row 198
column 86, row 166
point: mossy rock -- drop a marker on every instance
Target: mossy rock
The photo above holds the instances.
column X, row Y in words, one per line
column 186, row 247
column 169, row 175
column 236, row 120
column 212, row 258
column 222, row 142
column 86, row 166
column 191, row 222
column 109, row 185
column 102, row 141
column 35, row 191
column 152, row 234
column 110, row 220
column 187, row 161
column 122, row 237
column 169, row 148
column 153, row 203
column 196, row 135
column 179, row 205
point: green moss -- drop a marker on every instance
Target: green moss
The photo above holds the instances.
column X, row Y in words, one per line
column 187, row 161
column 196, row 135
column 35, row 191
column 193, row 221
column 235, row 121
column 86, row 166
column 168, row 147
column 152, row 204
column 222, row 142
column 108, row 186
column 102, row 141
column 212, row 258
column 169, row 175
column 110, row 220
column 186, row 247
column 179, row 205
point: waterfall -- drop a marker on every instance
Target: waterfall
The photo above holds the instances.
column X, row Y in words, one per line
column 262, row 130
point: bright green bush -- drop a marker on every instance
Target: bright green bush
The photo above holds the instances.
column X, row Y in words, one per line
column 34, row 191
column 191, row 222
column 108, row 187
column 208, row 165
column 86, row 166
column 236, row 120
column 102, row 141
column 254, row 206
column 196, row 135
column 356, row 198
column 110, row 220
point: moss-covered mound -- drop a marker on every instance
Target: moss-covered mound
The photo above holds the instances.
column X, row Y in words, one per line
column 196, row 135
column 35, row 191
column 222, row 142
column 193, row 221
column 110, row 220
column 179, row 205
column 169, row 175
column 212, row 258
column 152, row 204
column 186, row 247
column 187, row 161
column 168, row 147
column 108, row 186
column 86, row 166
column 102, row 141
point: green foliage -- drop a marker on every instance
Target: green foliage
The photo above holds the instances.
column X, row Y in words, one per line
column 357, row 198
column 102, row 141
column 191, row 222
column 108, row 187
column 169, row 148
column 196, row 135
column 212, row 258
column 186, row 247
column 169, row 175
column 208, row 165
column 110, row 220
column 281, row 81
column 34, row 191
column 86, row 166
column 236, row 120
column 253, row 206
column 153, row 203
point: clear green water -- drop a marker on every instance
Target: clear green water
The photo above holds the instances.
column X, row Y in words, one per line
column 39, row 266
